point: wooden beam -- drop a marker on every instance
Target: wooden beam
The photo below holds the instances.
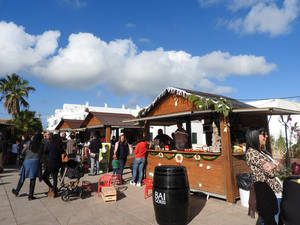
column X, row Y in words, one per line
column 147, row 130
column 227, row 161
column 107, row 133
column 189, row 131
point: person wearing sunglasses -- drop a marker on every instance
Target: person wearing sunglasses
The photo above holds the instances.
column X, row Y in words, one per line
column 265, row 171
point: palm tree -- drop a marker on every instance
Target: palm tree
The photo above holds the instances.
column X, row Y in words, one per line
column 27, row 123
column 14, row 90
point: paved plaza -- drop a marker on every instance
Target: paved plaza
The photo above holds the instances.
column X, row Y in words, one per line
column 130, row 208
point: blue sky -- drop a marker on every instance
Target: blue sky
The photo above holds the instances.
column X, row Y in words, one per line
column 127, row 52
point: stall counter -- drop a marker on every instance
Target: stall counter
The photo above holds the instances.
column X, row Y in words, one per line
column 205, row 170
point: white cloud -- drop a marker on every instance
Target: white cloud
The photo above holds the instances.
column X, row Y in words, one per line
column 76, row 3
column 99, row 94
column 144, row 40
column 89, row 61
column 20, row 50
column 235, row 5
column 207, row 3
column 268, row 18
column 130, row 25
column 258, row 16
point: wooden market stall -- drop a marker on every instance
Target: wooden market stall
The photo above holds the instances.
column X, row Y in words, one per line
column 68, row 125
column 210, row 170
column 104, row 123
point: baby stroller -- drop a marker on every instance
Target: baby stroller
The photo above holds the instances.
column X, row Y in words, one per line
column 73, row 171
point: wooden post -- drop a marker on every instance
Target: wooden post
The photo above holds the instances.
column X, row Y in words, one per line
column 107, row 139
column 266, row 125
column 107, row 134
column 189, row 131
column 227, row 159
column 117, row 134
column 146, row 130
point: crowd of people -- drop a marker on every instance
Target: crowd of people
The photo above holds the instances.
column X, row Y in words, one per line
column 40, row 156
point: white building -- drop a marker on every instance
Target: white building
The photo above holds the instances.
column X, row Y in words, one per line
column 79, row 112
column 276, row 125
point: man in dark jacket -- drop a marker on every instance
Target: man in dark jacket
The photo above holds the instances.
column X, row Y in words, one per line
column 95, row 145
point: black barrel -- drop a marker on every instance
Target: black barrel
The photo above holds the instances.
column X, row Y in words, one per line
column 290, row 203
column 171, row 195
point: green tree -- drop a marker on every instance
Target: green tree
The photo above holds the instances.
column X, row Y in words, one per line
column 272, row 141
column 280, row 143
column 27, row 123
column 14, row 91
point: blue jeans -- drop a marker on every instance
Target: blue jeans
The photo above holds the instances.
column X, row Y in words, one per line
column 277, row 215
column 115, row 171
column 122, row 163
column 138, row 166
column 93, row 164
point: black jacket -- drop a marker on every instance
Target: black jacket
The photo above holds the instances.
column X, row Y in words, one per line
column 95, row 145
column 123, row 151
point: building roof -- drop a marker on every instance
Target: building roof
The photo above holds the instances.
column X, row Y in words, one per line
column 277, row 103
column 5, row 122
column 72, row 124
column 185, row 92
column 110, row 119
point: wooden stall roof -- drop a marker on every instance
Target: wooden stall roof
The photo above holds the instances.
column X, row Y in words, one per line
column 69, row 124
column 163, row 112
column 185, row 92
column 101, row 119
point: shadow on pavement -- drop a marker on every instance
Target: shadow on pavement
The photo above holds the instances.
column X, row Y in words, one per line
column 4, row 183
column 197, row 203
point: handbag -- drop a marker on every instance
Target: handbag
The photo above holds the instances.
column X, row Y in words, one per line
column 64, row 158
column 92, row 155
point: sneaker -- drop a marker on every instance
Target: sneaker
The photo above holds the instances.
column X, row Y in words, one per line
column 132, row 183
column 14, row 192
column 138, row 184
column 31, row 198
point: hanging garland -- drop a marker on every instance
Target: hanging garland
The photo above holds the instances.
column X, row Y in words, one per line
column 209, row 159
column 169, row 158
column 188, row 156
column 197, row 158
column 180, row 156
column 153, row 153
column 160, row 155
column 179, row 159
column 220, row 105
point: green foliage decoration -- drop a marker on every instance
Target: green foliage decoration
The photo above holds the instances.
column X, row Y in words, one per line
column 188, row 156
column 169, row 158
column 219, row 105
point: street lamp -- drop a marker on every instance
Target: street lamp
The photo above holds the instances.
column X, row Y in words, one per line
column 285, row 119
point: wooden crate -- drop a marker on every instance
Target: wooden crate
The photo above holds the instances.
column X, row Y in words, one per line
column 109, row 194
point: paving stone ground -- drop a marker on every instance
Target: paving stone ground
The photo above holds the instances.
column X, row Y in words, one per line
column 130, row 208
